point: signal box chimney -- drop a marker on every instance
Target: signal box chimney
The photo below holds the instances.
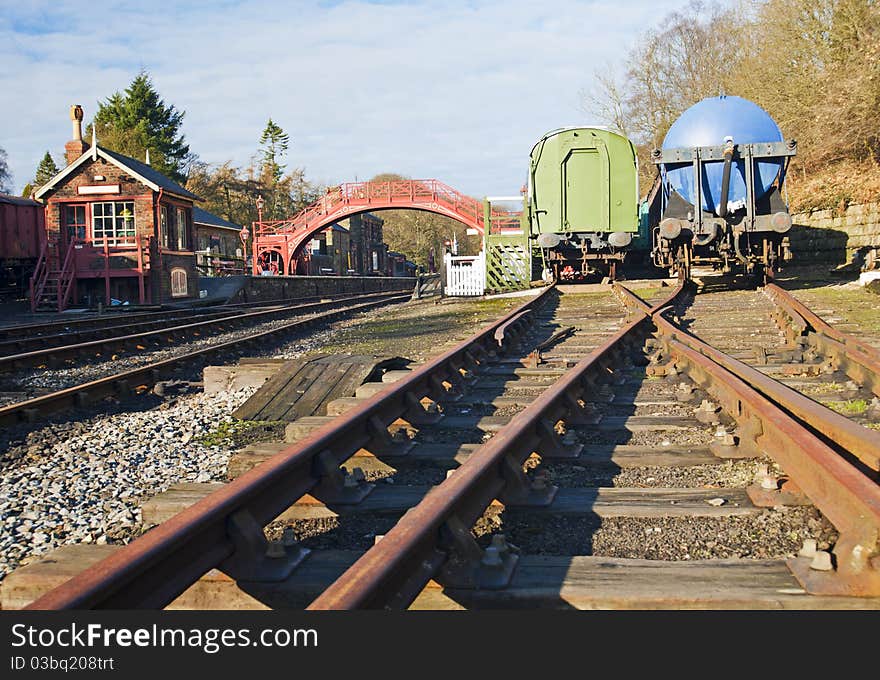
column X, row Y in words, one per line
column 76, row 147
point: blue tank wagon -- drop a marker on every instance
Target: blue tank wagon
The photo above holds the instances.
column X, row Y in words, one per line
column 722, row 170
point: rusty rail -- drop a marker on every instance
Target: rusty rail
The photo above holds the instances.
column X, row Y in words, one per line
column 770, row 419
column 224, row 530
column 220, row 323
column 146, row 376
column 23, row 337
column 859, row 360
column 435, row 534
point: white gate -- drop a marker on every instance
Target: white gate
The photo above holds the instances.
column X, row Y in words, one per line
column 465, row 274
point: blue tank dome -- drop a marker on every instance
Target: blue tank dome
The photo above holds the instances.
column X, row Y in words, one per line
column 707, row 123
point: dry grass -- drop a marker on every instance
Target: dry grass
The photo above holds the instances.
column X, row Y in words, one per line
column 833, row 187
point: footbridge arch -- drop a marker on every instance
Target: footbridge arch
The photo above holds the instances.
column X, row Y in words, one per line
column 283, row 241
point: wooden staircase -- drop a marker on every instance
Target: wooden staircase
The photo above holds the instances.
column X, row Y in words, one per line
column 53, row 279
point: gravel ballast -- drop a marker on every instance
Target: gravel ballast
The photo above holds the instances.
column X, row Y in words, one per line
column 82, row 482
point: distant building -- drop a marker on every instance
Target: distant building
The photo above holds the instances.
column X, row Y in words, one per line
column 398, row 265
column 368, row 248
column 352, row 246
column 329, row 253
column 115, row 228
column 219, row 250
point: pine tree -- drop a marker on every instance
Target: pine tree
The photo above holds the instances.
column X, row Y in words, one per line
column 137, row 120
column 274, row 142
column 46, row 170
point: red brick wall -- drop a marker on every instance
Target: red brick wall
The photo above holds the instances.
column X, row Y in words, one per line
column 131, row 189
column 85, row 176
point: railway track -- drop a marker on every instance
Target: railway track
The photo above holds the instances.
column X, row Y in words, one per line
column 147, row 336
column 143, row 377
column 591, row 461
column 30, row 337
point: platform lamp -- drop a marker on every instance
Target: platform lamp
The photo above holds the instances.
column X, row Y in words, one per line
column 260, row 203
column 243, row 235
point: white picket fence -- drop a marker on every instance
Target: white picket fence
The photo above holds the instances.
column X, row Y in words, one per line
column 465, row 275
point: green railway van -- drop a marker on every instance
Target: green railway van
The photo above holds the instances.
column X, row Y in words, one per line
column 583, row 200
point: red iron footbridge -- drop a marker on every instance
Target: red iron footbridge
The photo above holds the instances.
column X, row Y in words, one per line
column 284, row 241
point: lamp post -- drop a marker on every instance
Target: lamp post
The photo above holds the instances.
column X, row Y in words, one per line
column 243, row 235
column 260, row 203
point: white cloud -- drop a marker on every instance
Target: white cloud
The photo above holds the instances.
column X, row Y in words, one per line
column 456, row 91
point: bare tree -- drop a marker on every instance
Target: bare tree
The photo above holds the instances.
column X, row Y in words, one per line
column 5, row 173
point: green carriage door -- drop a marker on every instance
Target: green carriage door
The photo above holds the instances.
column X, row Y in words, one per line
column 585, row 183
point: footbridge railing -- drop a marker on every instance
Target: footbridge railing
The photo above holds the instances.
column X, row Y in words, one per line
column 285, row 239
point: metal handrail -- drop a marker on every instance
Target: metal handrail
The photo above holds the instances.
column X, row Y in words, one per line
column 67, row 275
column 40, row 275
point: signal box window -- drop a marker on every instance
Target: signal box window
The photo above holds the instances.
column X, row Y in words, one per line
column 182, row 231
column 113, row 223
column 75, row 222
column 164, row 227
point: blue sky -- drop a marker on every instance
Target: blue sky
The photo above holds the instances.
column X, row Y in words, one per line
column 458, row 91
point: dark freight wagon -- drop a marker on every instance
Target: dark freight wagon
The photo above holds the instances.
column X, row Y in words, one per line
column 21, row 226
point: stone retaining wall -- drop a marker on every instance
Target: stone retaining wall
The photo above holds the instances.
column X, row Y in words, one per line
column 827, row 236
column 260, row 288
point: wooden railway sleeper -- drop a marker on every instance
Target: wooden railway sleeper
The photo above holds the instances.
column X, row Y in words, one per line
column 256, row 559
column 468, row 565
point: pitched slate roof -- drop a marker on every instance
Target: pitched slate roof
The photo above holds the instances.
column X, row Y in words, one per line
column 150, row 174
column 17, row 200
column 204, row 217
column 143, row 172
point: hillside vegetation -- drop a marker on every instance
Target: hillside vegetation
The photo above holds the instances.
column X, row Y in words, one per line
column 813, row 65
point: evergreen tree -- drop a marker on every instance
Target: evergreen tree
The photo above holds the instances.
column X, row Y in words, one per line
column 27, row 191
column 137, row 120
column 46, row 170
column 274, row 142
